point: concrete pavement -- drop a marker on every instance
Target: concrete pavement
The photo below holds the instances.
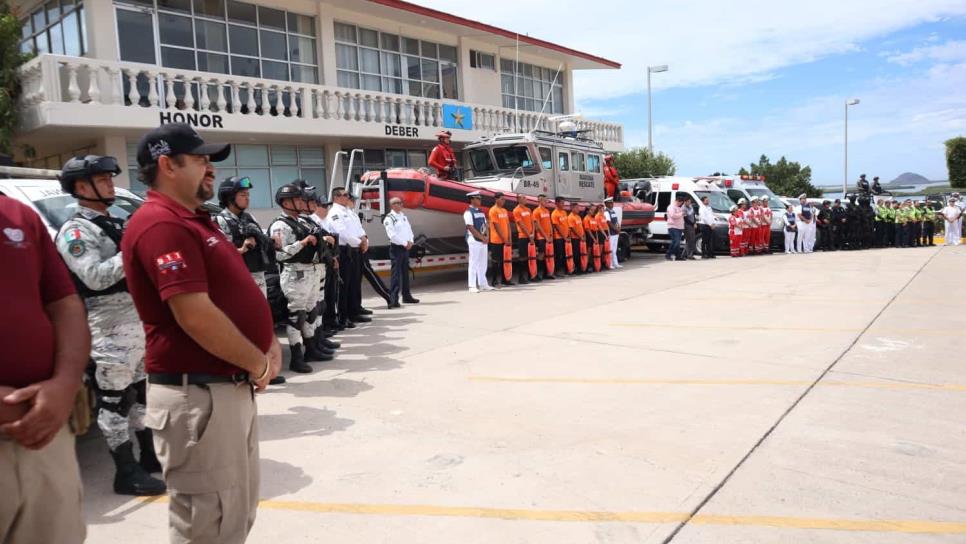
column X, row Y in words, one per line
column 792, row 398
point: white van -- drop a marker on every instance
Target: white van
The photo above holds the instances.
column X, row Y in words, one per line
column 664, row 190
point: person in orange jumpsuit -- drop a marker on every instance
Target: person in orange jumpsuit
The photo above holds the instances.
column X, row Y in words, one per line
column 561, row 236
column 735, row 231
column 577, row 236
column 544, row 235
column 611, row 178
column 499, row 237
column 523, row 219
column 590, row 228
column 442, row 158
column 603, row 229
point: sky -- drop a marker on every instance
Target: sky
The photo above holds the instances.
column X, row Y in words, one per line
column 753, row 77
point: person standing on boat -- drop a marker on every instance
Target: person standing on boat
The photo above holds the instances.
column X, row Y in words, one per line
column 611, row 177
column 499, row 237
column 543, row 230
column 523, row 219
column 442, row 158
column 561, row 236
column 476, row 231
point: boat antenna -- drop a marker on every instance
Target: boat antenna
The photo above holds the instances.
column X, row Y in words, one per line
column 546, row 100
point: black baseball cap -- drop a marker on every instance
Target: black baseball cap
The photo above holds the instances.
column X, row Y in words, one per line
column 177, row 139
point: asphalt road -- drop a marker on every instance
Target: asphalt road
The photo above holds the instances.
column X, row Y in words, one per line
column 796, row 398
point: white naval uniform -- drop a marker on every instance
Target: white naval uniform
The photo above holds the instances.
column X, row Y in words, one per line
column 806, row 231
column 953, row 216
column 476, row 273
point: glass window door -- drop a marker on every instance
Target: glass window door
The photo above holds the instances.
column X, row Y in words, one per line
column 135, row 35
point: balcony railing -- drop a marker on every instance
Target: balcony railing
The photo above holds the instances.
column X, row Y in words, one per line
column 93, row 82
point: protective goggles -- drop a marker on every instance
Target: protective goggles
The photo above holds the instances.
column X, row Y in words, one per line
column 97, row 165
column 243, row 183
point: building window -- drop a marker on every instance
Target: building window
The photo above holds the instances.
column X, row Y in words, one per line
column 484, row 61
column 531, row 87
column 377, row 61
column 55, row 27
column 268, row 166
column 221, row 36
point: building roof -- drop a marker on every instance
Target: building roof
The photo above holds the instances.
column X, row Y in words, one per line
column 582, row 60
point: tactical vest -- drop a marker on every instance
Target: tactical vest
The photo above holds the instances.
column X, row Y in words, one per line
column 307, row 254
column 611, row 222
column 479, row 223
column 807, row 212
column 113, row 229
column 252, row 259
column 791, row 221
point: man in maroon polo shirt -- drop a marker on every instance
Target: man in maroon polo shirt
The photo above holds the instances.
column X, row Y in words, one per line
column 43, row 329
column 209, row 339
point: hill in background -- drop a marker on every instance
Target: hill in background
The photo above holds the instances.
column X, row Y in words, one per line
column 908, row 178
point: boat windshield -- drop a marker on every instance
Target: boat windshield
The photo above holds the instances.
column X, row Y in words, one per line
column 513, row 157
column 719, row 202
column 481, row 161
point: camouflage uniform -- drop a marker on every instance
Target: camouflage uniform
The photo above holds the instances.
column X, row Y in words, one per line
column 225, row 221
column 116, row 333
column 299, row 279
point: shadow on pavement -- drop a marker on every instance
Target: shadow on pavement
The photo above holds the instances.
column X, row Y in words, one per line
column 300, row 421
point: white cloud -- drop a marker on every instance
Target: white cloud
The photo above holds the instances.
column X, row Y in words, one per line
column 951, row 51
column 900, row 124
column 703, row 41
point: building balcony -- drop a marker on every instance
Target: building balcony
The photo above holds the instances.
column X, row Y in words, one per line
column 80, row 94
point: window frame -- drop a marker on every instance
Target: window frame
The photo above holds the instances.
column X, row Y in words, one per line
column 293, row 68
column 424, row 53
column 530, row 85
column 64, row 11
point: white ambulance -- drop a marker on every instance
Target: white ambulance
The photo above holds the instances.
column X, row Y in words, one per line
column 663, row 191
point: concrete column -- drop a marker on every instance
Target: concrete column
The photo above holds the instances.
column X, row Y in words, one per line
column 466, row 90
column 101, row 25
column 115, row 146
column 569, row 90
column 326, row 45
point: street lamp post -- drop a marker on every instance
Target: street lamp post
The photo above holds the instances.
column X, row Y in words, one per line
column 651, row 70
column 845, row 180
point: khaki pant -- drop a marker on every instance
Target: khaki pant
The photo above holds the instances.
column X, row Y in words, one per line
column 207, row 441
column 41, row 493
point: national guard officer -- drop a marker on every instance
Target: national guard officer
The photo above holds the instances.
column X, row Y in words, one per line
column 297, row 251
column 90, row 244
column 242, row 229
column 824, row 225
column 313, row 202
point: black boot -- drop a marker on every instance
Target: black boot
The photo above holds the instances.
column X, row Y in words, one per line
column 313, row 353
column 130, row 478
column 324, row 345
column 277, row 380
column 297, row 363
column 149, row 459
column 331, row 344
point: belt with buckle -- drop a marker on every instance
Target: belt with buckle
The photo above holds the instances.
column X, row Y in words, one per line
column 196, row 379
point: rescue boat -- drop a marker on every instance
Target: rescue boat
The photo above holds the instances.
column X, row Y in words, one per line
column 531, row 164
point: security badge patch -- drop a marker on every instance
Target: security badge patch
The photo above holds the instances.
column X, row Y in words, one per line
column 170, row 262
column 75, row 246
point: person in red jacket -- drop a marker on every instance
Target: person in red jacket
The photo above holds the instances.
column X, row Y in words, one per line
column 442, row 158
column 611, row 178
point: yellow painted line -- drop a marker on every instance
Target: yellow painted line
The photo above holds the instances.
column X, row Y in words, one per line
column 593, row 516
column 648, row 381
column 878, row 526
column 872, row 332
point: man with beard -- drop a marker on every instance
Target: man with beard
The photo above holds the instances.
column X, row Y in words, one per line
column 209, row 336
column 90, row 243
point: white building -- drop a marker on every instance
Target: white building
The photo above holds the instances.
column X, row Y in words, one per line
column 289, row 83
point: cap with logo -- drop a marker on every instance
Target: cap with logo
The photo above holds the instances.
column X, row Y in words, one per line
column 177, row 139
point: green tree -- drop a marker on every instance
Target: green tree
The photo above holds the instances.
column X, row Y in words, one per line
column 956, row 161
column 10, row 59
column 784, row 178
column 639, row 162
